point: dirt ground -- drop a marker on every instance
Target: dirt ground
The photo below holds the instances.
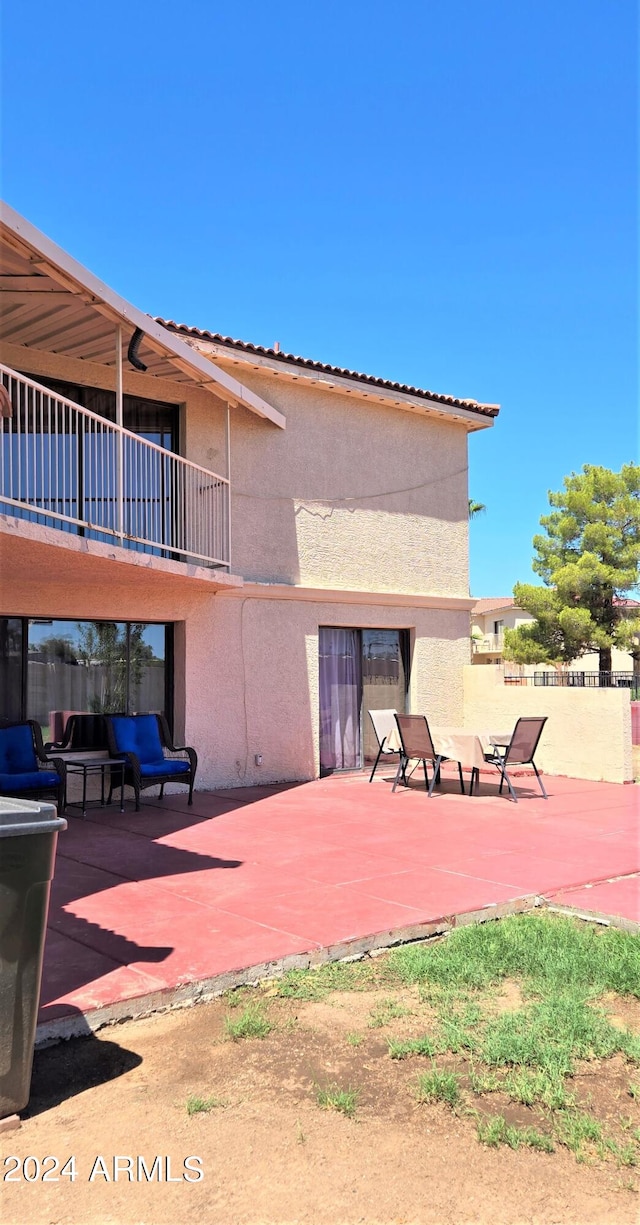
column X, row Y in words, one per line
column 268, row 1152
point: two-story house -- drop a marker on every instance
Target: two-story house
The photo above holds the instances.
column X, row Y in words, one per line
column 262, row 546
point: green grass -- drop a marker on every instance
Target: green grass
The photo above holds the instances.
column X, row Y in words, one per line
column 413, row 1046
column 334, row 1098
column 318, row 983
column 495, row 1131
column 439, row 1086
column 529, row 1053
column 202, row 1105
column 251, row 1023
column 385, row 1012
column 549, row 953
column 551, row 1035
column 575, row 1128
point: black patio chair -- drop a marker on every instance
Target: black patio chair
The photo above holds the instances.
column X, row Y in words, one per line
column 417, row 745
column 151, row 757
column 83, row 733
column 25, row 769
column 519, row 751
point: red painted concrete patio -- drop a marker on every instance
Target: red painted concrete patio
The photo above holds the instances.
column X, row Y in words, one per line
column 146, row 906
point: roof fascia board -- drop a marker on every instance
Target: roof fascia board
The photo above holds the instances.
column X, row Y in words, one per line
column 335, row 382
column 77, row 279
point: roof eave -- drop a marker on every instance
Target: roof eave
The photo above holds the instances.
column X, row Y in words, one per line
column 77, row 279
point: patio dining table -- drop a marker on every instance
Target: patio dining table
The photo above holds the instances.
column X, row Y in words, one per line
column 463, row 744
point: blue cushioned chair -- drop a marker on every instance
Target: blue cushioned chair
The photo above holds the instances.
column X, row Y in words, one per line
column 25, row 770
column 144, row 741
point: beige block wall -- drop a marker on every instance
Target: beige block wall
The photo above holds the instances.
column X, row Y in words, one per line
column 588, row 733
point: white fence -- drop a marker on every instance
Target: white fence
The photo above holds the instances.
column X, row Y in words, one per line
column 67, row 467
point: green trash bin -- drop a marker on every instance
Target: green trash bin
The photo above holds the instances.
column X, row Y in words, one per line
column 28, row 836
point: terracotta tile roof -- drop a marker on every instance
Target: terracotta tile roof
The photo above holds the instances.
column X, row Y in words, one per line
column 244, row 346
column 491, row 603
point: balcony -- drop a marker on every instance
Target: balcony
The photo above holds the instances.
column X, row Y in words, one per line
column 65, row 467
column 489, row 644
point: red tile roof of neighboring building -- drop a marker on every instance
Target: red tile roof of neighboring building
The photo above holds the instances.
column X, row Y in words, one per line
column 244, row 346
column 492, row 602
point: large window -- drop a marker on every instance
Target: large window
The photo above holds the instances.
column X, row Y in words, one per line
column 360, row 670
column 51, row 668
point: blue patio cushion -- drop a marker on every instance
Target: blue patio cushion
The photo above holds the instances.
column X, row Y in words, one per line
column 138, row 734
column 166, row 765
column 17, row 754
column 29, row 780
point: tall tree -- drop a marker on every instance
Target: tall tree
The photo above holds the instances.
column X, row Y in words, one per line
column 476, row 508
column 589, row 558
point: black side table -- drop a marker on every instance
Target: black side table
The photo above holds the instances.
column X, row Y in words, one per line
column 95, row 765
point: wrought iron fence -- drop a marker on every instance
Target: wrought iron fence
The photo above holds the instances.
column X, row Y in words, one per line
column 580, row 680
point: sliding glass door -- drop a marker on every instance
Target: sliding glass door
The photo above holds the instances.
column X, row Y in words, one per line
column 360, row 670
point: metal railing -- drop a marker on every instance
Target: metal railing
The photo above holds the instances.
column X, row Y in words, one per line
column 67, row 467
column 580, row 680
column 488, row 643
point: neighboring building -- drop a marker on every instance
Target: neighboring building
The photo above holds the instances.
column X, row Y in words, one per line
column 489, row 619
column 491, row 616
column 262, row 546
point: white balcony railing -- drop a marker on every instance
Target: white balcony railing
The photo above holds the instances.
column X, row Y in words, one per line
column 67, row 467
column 489, row 644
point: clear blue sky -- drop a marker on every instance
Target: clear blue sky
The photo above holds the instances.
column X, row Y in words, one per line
column 437, row 191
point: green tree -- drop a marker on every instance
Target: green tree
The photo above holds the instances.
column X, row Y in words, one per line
column 589, row 559
column 476, row 508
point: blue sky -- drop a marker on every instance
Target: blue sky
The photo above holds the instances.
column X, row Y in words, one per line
column 435, row 191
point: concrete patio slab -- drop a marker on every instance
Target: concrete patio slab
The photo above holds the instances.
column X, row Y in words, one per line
column 159, row 907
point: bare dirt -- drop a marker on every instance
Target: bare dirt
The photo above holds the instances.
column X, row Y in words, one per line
column 268, row 1151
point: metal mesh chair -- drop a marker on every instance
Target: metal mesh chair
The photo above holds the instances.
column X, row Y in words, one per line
column 519, row 751
column 384, row 724
column 416, row 742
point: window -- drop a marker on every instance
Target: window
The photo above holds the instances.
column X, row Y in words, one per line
column 51, row 668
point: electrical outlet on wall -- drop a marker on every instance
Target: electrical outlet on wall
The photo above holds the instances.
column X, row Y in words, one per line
column 258, row 759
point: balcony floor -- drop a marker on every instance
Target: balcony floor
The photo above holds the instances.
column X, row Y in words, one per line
column 31, row 553
column 153, row 908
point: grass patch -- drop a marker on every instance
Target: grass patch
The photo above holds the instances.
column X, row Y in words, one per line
column 202, row 1105
column 495, row 1131
column 413, row 1046
column 252, row 1023
column 334, row 1098
column 439, row 1086
column 318, row 983
column 634, row 1092
column 385, row 1012
column 576, row 1128
column 551, row 1034
column 354, row 1039
column 549, row 953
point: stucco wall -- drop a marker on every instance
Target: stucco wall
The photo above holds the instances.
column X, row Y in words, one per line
column 353, row 494
column 588, row 733
column 246, row 668
column 252, row 680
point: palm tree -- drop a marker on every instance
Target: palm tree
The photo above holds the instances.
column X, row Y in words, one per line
column 476, row 508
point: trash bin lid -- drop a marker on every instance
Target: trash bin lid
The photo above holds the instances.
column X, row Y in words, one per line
column 28, row 817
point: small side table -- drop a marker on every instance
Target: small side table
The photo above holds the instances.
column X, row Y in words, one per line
column 96, row 765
